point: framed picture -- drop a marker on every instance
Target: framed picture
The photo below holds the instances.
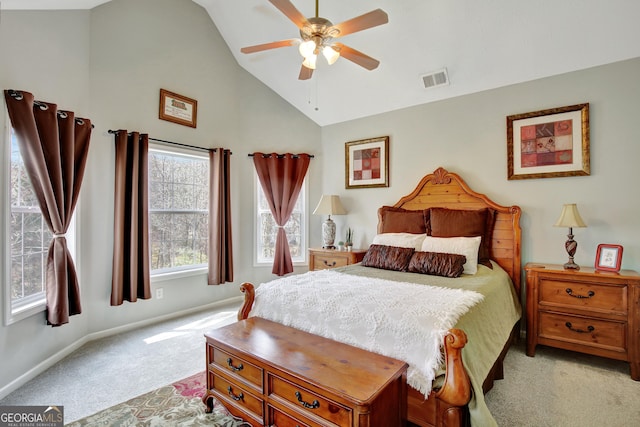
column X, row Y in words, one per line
column 367, row 163
column 548, row 143
column 178, row 109
column 609, row 257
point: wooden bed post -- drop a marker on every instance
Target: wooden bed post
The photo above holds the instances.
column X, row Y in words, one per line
column 455, row 393
column 249, row 295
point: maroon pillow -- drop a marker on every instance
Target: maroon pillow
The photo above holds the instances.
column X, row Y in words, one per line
column 437, row 264
column 399, row 220
column 465, row 223
column 388, row 257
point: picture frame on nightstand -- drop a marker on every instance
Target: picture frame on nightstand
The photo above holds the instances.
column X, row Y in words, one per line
column 608, row 257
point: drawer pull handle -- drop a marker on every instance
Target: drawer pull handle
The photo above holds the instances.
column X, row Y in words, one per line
column 233, row 368
column 314, row 405
column 580, row 331
column 333, row 264
column 589, row 294
column 233, row 396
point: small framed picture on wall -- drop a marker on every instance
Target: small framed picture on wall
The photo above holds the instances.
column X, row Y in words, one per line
column 609, row 257
column 367, row 163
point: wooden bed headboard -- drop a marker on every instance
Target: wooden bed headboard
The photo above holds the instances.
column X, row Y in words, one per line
column 447, row 190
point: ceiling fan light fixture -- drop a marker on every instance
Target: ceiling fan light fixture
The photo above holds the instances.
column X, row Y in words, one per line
column 330, row 54
column 317, row 34
column 307, row 48
column 310, row 62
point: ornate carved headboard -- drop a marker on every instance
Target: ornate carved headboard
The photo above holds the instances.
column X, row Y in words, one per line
column 446, row 189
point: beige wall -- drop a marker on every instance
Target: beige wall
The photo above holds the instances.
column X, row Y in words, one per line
column 467, row 135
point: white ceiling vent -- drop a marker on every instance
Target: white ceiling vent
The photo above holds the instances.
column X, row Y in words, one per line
column 435, row 78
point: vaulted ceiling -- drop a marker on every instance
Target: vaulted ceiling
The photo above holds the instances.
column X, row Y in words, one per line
column 482, row 44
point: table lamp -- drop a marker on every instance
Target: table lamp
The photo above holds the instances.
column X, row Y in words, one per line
column 329, row 205
column 570, row 217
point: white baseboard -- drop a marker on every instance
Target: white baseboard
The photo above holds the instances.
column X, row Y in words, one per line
column 57, row 357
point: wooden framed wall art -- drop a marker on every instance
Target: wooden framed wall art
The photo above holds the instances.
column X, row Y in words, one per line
column 548, row 143
column 178, row 109
column 367, row 163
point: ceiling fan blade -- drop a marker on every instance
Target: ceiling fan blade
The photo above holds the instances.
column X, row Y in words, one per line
column 357, row 57
column 267, row 46
column 286, row 7
column 305, row 73
column 362, row 22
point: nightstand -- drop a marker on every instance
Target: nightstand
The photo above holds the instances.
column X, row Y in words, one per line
column 322, row 259
column 584, row 310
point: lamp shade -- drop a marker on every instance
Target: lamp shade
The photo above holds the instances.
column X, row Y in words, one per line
column 570, row 217
column 307, row 48
column 330, row 54
column 329, row 205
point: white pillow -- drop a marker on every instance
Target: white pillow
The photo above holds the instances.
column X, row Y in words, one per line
column 401, row 240
column 467, row 246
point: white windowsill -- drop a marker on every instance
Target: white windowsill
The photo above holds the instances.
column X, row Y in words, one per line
column 27, row 310
column 163, row 277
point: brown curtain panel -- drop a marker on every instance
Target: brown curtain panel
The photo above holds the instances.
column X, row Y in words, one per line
column 130, row 278
column 54, row 146
column 281, row 177
column 220, row 246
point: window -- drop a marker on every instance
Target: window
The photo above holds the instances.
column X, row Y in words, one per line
column 296, row 228
column 178, row 210
column 28, row 242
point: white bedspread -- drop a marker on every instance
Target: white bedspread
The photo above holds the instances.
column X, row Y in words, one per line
column 406, row 321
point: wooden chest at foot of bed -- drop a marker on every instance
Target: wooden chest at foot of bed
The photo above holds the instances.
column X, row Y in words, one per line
column 271, row 374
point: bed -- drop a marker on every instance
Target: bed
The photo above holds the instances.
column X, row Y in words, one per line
column 474, row 347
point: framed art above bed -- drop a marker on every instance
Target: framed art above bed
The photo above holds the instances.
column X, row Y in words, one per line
column 367, row 163
column 549, row 143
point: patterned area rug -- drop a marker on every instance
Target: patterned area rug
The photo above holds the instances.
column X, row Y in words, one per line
column 178, row 404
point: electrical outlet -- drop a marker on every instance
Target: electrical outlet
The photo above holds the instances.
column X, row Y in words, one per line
column 159, row 293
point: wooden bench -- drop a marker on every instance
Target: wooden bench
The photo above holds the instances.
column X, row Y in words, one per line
column 270, row 374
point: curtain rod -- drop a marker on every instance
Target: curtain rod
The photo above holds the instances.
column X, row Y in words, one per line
column 279, row 155
column 174, row 143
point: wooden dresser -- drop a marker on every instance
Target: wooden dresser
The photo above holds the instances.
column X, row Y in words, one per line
column 270, row 374
column 585, row 310
column 322, row 259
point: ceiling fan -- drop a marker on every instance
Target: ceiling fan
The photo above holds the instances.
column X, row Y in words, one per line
column 317, row 36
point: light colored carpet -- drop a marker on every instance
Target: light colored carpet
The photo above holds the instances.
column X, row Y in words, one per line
column 559, row 388
column 108, row 371
column 555, row 388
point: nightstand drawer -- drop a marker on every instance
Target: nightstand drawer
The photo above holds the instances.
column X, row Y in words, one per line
column 322, row 259
column 323, row 262
column 593, row 296
column 583, row 330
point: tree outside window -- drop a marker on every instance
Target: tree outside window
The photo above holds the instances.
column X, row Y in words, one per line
column 267, row 228
column 29, row 238
column 178, row 211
